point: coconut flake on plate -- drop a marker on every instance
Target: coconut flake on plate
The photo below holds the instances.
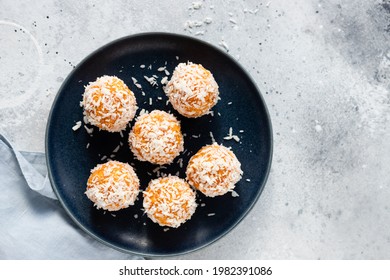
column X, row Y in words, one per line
column 76, row 126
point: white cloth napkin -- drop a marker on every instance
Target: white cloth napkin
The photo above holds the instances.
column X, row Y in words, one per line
column 33, row 224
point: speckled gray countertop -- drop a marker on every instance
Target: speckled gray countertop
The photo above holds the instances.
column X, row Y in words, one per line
column 323, row 68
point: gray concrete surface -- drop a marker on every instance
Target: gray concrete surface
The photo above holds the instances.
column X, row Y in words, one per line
column 323, row 68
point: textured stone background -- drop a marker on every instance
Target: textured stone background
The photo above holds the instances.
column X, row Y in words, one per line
column 323, row 68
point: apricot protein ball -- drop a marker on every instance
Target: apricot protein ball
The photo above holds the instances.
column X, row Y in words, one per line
column 192, row 90
column 169, row 201
column 156, row 137
column 109, row 104
column 112, row 186
column 214, row 170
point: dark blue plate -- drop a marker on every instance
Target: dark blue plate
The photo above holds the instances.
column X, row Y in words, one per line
column 241, row 107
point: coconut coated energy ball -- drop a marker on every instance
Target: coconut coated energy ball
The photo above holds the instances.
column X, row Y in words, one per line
column 156, row 137
column 112, row 186
column 109, row 104
column 214, row 170
column 192, row 90
column 169, row 201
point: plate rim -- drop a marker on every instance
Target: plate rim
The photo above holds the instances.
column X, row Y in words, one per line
column 178, row 36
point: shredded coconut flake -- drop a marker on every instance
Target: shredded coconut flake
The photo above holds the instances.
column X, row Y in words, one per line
column 164, row 80
column 143, row 111
column 76, row 126
column 235, row 194
column 180, row 162
column 251, row 11
column 212, row 137
column 189, row 24
column 116, row 149
column 208, row 20
column 231, row 136
column 89, row 130
column 152, row 80
column 158, row 168
column 196, row 5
